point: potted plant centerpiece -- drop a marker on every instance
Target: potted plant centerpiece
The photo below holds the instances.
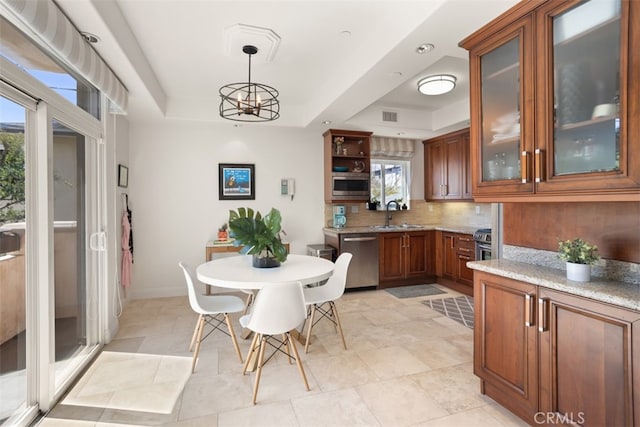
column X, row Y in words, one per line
column 260, row 236
column 579, row 256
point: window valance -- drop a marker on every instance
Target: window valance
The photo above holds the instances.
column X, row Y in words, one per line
column 58, row 34
column 382, row 147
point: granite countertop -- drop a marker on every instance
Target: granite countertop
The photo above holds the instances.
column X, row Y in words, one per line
column 622, row 294
column 464, row 229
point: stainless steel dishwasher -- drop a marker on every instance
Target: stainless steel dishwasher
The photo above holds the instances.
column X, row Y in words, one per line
column 363, row 269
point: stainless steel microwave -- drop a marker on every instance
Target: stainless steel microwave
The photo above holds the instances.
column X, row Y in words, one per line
column 349, row 185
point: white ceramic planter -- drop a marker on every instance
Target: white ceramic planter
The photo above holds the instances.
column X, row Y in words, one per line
column 578, row 272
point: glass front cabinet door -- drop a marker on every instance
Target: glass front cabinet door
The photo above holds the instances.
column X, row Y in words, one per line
column 555, row 101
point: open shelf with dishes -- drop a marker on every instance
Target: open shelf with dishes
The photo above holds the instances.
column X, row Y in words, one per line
column 345, row 152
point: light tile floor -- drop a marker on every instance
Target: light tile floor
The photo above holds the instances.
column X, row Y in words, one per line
column 406, row 365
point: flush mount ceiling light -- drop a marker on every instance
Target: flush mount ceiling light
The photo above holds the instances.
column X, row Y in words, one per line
column 249, row 102
column 437, row 85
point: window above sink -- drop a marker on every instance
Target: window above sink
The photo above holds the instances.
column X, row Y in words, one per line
column 390, row 181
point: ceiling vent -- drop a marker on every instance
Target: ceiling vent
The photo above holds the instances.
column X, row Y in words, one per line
column 389, row 116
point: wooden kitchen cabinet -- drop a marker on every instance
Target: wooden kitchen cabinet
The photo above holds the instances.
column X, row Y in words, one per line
column 505, row 343
column 455, row 249
column 588, row 346
column 351, row 156
column 449, row 255
column 447, row 167
column 541, row 351
column 549, row 119
column 405, row 258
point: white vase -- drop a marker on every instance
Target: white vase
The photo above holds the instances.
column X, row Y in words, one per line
column 578, row 272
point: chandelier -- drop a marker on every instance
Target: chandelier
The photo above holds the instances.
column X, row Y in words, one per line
column 249, row 102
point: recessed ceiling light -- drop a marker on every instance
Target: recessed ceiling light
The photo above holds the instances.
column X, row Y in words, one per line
column 91, row 38
column 345, row 33
column 437, row 84
column 424, row 48
column 400, row 133
column 326, row 122
column 237, row 125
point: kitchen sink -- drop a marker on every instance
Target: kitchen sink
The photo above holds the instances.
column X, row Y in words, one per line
column 395, row 227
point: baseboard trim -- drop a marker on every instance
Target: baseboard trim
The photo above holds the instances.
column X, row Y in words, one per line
column 148, row 293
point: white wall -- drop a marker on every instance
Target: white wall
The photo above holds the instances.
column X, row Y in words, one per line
column 173, row 192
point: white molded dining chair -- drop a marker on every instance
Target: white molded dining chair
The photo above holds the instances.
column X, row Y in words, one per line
column 212, row 310
column 215, row 290
column 321, row 299
column 278, row 308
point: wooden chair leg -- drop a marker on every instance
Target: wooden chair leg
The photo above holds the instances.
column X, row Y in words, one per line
column 306, row 343
column 298, row 361
column 233, row 337
column 287, row 347
column 247, row 304
column 263, row 340
column 195, row 333
column 334, row 310
column 250, row 357
column 198, row 341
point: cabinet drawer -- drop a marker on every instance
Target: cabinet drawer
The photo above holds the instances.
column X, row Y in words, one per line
column 465, row 244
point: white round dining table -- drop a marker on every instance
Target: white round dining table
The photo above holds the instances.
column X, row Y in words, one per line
column 237, row 272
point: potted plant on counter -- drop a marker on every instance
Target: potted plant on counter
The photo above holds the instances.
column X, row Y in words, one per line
column 579, row 256
column 260, row 236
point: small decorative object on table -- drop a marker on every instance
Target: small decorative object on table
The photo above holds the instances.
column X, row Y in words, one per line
column 579, row 256
column 222, row 232
column 259, row 236
column 338, row 140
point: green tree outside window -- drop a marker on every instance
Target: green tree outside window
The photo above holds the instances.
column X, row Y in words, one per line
column 11, row 177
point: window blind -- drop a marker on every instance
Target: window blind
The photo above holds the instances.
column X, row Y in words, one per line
column 382, row 147
column 58, row 35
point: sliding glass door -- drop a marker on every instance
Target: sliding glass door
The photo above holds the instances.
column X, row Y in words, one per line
column 51, row 251
column 13, row 233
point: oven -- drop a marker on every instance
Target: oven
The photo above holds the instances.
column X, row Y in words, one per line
column 482, row 237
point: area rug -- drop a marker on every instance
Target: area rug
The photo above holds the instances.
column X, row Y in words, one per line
column 132, row 382
column 415, row 291
column 459, row 309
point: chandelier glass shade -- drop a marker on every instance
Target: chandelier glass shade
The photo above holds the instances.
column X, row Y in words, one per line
column 247, row 101
column 437, row 85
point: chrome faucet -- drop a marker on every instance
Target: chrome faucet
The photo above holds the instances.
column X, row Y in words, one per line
column 386, row 224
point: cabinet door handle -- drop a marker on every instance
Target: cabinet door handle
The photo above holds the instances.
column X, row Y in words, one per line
column 464, row 250
column 524, row 167
column 543, row 314
column 529, row 312
column 464, row 239
column 539, row 164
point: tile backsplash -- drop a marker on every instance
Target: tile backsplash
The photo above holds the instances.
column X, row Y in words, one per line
column 421, row 212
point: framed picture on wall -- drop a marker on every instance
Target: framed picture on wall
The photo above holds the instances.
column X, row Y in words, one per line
column 236, row 181
column 123, row 176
